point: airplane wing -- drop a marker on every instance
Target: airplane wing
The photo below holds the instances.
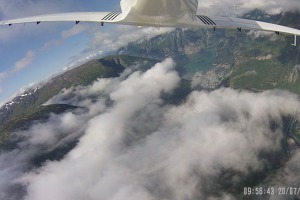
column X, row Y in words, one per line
column 201, row 21
column 237, row 23
column 107, row 17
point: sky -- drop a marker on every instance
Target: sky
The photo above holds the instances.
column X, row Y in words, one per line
column 31, row 53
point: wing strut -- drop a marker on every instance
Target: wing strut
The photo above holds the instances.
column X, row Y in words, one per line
column 295, row 40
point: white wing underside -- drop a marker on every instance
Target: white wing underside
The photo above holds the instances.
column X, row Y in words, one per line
column 199, row 21
column 110, row 17
column 237, row 23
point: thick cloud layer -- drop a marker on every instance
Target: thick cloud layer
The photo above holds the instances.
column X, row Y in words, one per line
column 135, row 146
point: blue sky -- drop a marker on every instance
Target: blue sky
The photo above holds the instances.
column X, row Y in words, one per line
column 29, row 53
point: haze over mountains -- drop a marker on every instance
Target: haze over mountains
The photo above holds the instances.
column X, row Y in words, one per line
column 164, row 118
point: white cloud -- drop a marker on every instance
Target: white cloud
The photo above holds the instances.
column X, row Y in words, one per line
column 130, row 97
column 75, row 30
column 53, row 43
column 263, row 34
column 19, row 65
column 9, row 170
column 22, row 8
column 3, row 75
column 212, row 78
column 122, row 35
column 136, row 147
column 79, row 93
column 126, row 5
column 103, row 41
column 65, row 34
column 24, row 62
column 201, row 135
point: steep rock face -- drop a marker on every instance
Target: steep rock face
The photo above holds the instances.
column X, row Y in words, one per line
column 294, row 75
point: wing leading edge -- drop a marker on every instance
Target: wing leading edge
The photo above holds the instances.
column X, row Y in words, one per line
column 107, row 17
column 237, row 23
column 200, row 21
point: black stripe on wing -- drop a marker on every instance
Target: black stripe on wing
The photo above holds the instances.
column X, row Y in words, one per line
column 206, row 20
column 111, row 16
